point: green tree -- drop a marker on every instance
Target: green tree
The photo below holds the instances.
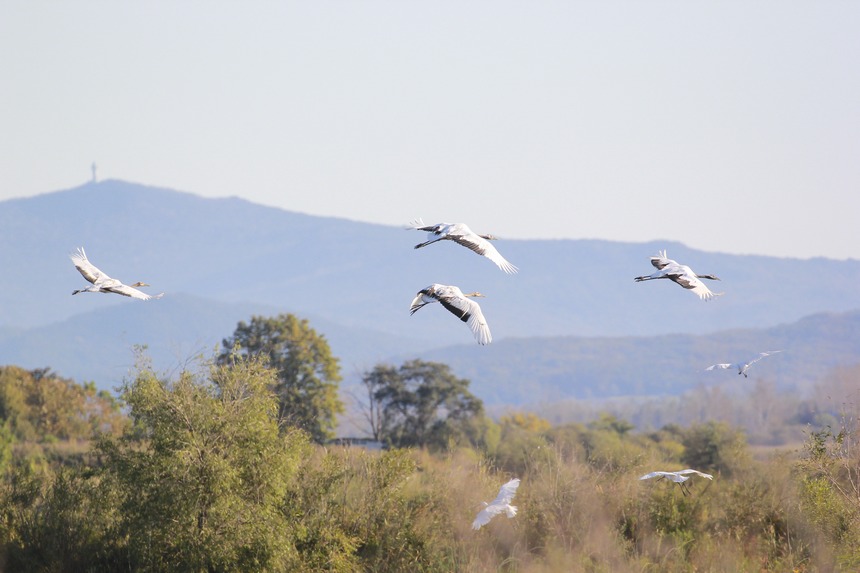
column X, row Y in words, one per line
column 307, row 373
column 714, row 446
column 423, row 404
column 205, row 472
column 37, row 406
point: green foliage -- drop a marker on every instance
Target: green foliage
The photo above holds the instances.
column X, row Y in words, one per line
column 714, row 446
column 207, row 480
column 307, row 372
column 830, row 488
column 423, row 404
column 38, row 406
column 60, row 521
column 204, row 490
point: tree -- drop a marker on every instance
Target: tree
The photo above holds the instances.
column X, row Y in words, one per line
column 307, row 373
column 422, row 404
column 205, row 472
column 714, row 446
column 37, row 405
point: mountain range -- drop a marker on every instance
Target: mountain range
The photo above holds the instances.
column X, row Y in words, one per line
column 571, row 323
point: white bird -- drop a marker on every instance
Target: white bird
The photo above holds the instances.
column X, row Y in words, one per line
column 744, row 366
column 463, row 235
column 681, row 274
column 102, row 282
column 453, row 299
column 498, row 505
column 678, row 477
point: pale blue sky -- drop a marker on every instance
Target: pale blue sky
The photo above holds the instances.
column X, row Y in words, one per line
column 729, row 126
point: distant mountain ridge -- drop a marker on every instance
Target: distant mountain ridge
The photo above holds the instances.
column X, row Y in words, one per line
column 530, row 370
column 219, row 260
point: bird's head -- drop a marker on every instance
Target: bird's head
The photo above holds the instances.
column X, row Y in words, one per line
column 475, row 294
column 140, row 284
column 489, row 237
column 711, row 277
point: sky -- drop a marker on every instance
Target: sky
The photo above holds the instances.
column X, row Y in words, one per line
column 728, row 126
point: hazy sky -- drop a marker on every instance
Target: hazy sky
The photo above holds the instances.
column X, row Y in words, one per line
column 729, row 126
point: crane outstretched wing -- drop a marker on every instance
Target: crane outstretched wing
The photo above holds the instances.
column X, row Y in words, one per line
column 126, row 290
column 685, row 277
column 484, row 248
column 86, row 268
column 469, row 312
column 660, row 261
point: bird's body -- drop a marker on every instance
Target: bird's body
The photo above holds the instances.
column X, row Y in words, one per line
column 678, row 477
column 463, row 235
column 102, row 282
column 502, row 503
column 681, row 274
column 459, row 304
column 743, row 366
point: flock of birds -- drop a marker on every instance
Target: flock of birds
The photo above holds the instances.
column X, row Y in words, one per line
column 462, row 306
column 502, row 503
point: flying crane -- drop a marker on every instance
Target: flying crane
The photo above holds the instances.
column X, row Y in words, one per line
column 459, row 304
column 681, row 274
column 463, row 235
column 103, row 283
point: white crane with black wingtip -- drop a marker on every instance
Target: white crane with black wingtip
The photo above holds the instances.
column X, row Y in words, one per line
column 681, row 274
column 459, row 304
column 461, row 234
column 103, row 283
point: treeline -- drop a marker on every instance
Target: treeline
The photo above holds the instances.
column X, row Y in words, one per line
column 213, row 470
column 768, row 416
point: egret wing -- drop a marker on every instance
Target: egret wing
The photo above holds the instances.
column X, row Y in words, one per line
column 721, row 366
column 506, row 493
column 694, row 472
column 762, row 355
column 656, row 474
column 485, row 515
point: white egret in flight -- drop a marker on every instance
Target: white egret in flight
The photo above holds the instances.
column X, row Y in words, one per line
column 679, row 477
column 743, row 366
column 460, row 233
column 453, row 299
column 102, row 282
column 681, row 274
column 498, row 505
